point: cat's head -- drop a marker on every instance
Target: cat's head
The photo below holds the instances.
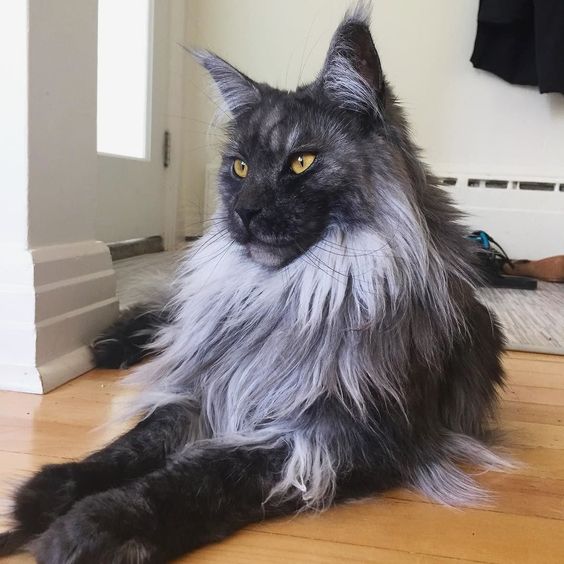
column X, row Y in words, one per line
column 297, row 163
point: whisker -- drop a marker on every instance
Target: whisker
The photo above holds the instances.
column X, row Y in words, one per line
column 225, row 251
column 208, row 146
column 350, row 255
column 346, row 247
column 207, row 133
column 210, row 241
column 203, row 122
column 302, row 63
column 310, row 259
column 207, row 222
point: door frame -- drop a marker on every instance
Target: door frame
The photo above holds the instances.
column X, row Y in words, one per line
column 173, row 224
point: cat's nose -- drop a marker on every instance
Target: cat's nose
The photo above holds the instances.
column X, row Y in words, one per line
column 247, row 214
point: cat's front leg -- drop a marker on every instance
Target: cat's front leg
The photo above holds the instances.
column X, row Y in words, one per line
column 113, row 526
column 53, row 490
column 199, row 497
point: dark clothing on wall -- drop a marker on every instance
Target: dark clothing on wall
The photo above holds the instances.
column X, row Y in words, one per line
column 522, row 41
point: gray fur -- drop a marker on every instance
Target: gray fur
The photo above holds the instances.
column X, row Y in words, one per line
column 262, row 334
column 323, row 341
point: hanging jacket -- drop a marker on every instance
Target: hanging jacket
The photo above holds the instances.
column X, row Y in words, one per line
column 522, row 41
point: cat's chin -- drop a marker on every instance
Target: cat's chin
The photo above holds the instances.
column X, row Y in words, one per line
column 270, row 256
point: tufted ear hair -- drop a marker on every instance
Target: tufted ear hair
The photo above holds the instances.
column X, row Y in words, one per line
column 352, row 75
column 237, row 90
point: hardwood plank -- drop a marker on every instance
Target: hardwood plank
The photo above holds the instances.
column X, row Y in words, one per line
column 540, row 462
column 520, row 494
column 540, row 379
column 52, row 438
column 93, row 386
column 434, row 530
column 282, row 549
column 524, row 434
column 537, row 365
column 514, row 494
column 69, row 411
column 528, row 356
column 524, row 524
column 534, row 394
column 531, row 412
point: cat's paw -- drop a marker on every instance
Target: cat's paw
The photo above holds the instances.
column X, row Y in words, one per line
column 61, row 547
column 106, row 527
column 112, row 352
column 124, row 343
column 42, row 499
column 85, row 543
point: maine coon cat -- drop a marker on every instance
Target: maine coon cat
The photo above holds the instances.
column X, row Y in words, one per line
column 322, row 341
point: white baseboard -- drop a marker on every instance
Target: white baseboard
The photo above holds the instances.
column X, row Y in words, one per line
column 44, row 378
column 53, row 302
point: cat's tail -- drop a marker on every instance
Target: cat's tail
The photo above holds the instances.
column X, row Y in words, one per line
column 442, row 480
column 128, row 340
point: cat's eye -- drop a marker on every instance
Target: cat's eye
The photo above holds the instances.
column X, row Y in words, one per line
column 240, row 168
column 301, row 162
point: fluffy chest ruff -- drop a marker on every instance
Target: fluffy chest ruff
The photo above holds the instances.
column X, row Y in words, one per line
column 254, row 347
column 317, row 355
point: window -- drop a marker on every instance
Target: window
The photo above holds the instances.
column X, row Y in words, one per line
column 124, row 76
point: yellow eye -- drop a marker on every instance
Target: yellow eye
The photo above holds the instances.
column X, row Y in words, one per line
column 300, row 163
column 240, row 168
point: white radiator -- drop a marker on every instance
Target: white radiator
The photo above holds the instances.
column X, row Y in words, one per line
column 524, row 215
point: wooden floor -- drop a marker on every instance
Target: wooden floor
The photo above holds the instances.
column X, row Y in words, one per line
column 526, row 523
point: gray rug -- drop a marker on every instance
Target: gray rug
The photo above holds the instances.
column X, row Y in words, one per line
column 533, row 320
column 137, row 277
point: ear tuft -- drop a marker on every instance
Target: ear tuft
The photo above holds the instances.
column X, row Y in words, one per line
column 361, row 12
column 237, row 90
column 352, row 75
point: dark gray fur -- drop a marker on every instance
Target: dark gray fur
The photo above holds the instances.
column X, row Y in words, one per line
column 323, row 343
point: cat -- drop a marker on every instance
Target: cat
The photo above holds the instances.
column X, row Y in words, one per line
column 322, row 342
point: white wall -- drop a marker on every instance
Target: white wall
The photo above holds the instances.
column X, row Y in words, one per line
column 57, row 285
column 51, row 200
column 13, row 117
column 466, row 120
column 62, row 98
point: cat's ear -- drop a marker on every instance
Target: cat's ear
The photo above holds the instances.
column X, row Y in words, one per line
column 352, row 75
column 237, row 90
